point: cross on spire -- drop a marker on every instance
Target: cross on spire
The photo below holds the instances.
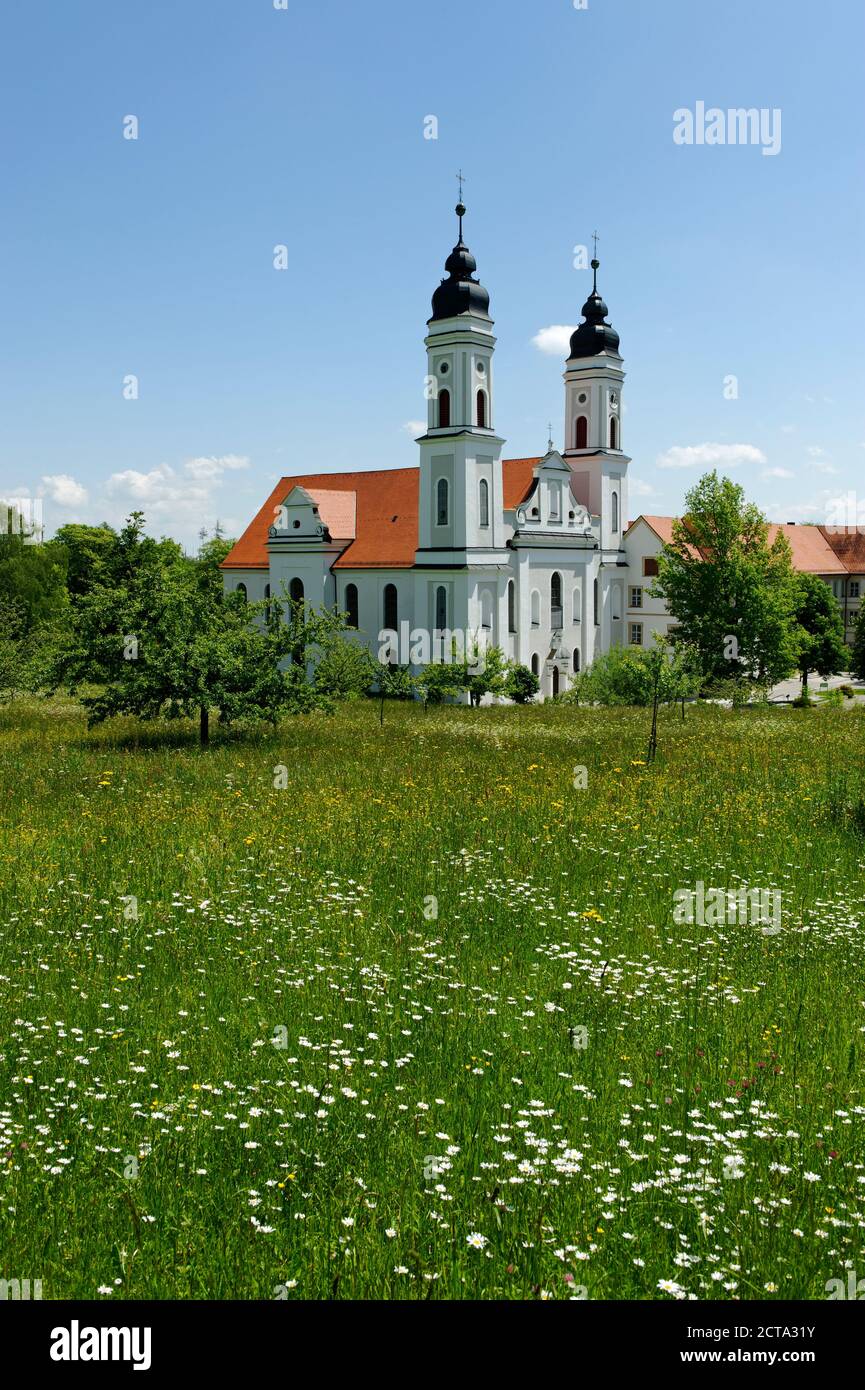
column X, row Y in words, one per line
column 550, row 433
column 461, row 180
column 595, row 239
column 595, row 263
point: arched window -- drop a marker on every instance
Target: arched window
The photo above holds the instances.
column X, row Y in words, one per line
column 512, row 606
column 442, row 502
column 267, row 600
column 582, row 432
column 536, row 608
column 484, row 502
column 555, row 502
column 597, row 607
column 486, row 609
column 555, row 681
column 295, row 590
column 444, row 409
column 614, row 434
column 577, row 606
column 556, row 600
column 535, row 665
column 391, row 614
column 441, row 621
column 576, row 661
column 482, row 410
column 615, row 510
column 241, row 589
column 351, row 605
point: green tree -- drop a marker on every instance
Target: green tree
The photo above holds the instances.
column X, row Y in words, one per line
column 857, row 659
column 166, row 643
column 821, row 631
column 33, row 578
column 732, row 593
column 521, row 685
column 91, row 555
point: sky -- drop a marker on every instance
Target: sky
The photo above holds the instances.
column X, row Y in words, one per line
column 155, row 358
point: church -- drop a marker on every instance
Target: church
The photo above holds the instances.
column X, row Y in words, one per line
column 533, row 555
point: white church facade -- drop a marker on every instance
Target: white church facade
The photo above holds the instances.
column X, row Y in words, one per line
column 533, row 555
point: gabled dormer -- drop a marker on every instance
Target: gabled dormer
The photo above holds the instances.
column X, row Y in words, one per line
column 550, row 511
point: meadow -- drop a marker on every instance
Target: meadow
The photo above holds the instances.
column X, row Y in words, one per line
column 343, row 1011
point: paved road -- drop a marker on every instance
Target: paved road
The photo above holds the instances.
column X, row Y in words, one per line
column 788, row 690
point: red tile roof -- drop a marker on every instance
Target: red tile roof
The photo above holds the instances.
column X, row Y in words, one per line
column 849, row 546
column 385, row 521
column 812, row 553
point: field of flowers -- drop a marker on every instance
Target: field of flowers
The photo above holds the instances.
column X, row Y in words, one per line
column 348, row 1011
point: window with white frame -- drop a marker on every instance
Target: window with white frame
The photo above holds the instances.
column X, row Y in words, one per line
column 854, row 588
column 636, row 634
column 636, row 596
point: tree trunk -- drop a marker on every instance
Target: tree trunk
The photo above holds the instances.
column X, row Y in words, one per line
column 204, row 725
column 804, row 685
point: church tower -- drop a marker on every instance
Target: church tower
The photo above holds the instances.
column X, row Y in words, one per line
column 461, row 504
column 594, row 374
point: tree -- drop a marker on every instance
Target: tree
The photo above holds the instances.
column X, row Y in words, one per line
column 483, row 672
column 91, row 555
column 521, row 685
column 733, row 595
column 167, row 643
column 33, row 578
column 345, row 668
column 857, row 659
column 821, row 632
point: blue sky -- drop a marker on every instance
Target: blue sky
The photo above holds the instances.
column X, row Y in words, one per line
column 304, row 126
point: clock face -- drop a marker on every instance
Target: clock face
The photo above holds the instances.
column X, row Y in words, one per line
column 444, row 369
column 481, row 369
column 583, row 398
column 614, row 401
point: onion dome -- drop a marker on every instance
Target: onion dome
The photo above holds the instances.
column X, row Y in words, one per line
column 595, row 334
column 460, row 293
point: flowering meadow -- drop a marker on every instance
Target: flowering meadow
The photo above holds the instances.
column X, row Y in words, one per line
column 346, row 1011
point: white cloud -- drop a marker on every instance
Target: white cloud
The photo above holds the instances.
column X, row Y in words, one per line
column 777, row 473
column 815, row 451
column 206, row 468
column 555, row 341
column 639, row 488
column 415, row 427
column 63, row 490
column 710, row 456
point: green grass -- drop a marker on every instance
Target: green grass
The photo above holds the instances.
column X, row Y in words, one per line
column 429, row 1084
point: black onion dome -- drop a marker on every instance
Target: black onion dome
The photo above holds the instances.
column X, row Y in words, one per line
column 595, row 334
column 461, row 293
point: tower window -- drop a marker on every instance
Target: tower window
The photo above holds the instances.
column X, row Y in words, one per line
column 577, row 606
column 615, row 505
column 351, row 605
column 555, row 502
column 486, row 610
column 512, row 606
column 241, row 589
column 442, row 502
column 556, row 615
column 484, row 502
column 441, row 621
column 444, row 409
column 536, row 608
column 295, row 590
column 391, row 615
column 482, row 410
column 614, row 434
column 582, row 436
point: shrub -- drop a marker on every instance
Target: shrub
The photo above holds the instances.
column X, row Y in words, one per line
column 521, row 685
